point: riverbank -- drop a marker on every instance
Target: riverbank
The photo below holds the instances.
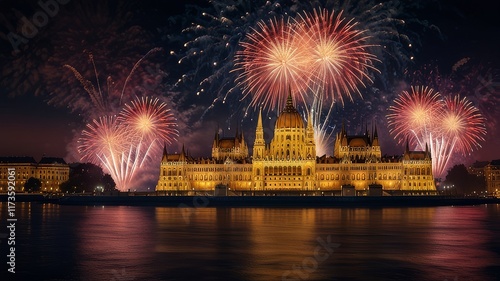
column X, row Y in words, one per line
column 254, row 201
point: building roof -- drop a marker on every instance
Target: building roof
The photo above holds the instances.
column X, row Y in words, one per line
column 52, row 160
column 358, row 141
column 227, row 143
column 495, row 162
column 416, row 155
column 18, row 160
column 289, row 117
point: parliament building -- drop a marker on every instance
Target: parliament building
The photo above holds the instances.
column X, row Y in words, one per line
column 288, row 165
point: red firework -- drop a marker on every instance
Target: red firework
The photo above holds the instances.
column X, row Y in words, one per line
column 102, row 137
column 414, row 114
column 446, row 125
column 123, row 144
column 149, row 119
column 272, row 63
column 338, row 60
column 317, row 52
column 461, row 121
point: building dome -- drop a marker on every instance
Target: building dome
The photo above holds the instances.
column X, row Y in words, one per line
column 358, row 142
column 289, row 117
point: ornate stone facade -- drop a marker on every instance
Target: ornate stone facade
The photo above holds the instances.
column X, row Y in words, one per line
column 288, row 164
column 49, row 170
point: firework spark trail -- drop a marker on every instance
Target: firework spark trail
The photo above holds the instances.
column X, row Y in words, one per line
column 101, row 101
column 448, row 125
column 338, row 56
column 123, row 144
column 317, row 52
column 149, row 120
column 136, row 65
column 463, row 123
column 105, row 142
column 323, row 133
column 273, row 63
column 212, row 37
column 413, row 115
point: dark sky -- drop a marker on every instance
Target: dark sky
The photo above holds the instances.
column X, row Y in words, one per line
column 37, row 119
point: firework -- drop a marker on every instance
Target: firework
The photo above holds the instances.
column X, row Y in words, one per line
column 339, row 59
column 273, row 63
column 150, row 120
column 123, row 144
column 414, row 115
column 212, row 39
column 463, row 123
column 106, row 142
column 323, row 133
column 103, row 102
column 447, row 125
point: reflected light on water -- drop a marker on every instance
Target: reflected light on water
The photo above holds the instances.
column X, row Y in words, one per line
column 257, row 244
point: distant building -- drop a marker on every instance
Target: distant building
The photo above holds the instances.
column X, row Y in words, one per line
column 288, row 165
column 49, row 170
column 477, row 168
column 492, row 175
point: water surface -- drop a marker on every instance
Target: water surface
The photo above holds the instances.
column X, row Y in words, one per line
column 163, row 243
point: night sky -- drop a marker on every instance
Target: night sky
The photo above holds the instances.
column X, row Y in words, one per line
column 43, row 107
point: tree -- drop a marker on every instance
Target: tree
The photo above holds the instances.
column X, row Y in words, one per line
column 463, row 182
column 108, row 183
column 32, row 185
column 86, row 177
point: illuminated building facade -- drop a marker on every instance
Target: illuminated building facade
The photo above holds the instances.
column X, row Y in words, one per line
column 492, row 175
column 49, row 170
column 288, row 164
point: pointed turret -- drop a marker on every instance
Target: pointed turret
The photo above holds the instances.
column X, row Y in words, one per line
column 289, row 100
column 375, row 141
column 216, row 138
column 427, row 152
column 309, row 121
column 164, row 157
column 182, row 157
column 259, row 143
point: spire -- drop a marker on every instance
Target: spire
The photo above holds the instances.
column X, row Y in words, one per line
column 182, row 157
column 289, row 100
column 259, row 122
column 407, row 146
column 164, row 157
column 375, row 135
column 309, row 121
column 216, row 138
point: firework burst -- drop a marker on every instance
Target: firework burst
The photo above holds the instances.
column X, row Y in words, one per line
column 448, row 125
column 210, row 41
column 462, row 122
column 150, row 119
column 104, row 101
column 339, row 59
column 273, row 62
column 123, row 144
column 414, row 115
column 317, row 52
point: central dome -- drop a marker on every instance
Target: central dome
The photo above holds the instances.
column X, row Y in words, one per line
column 289, row 117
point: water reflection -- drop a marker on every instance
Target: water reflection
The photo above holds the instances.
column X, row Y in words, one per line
column 115, row 242
column 156, row 243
